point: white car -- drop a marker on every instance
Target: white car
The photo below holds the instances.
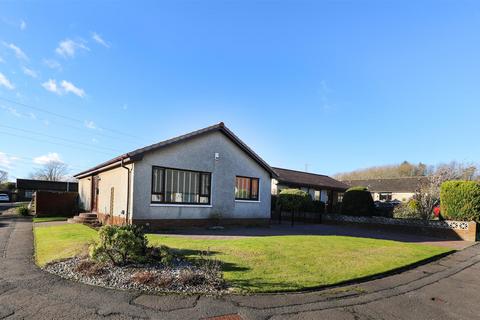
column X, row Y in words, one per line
column 4, row 197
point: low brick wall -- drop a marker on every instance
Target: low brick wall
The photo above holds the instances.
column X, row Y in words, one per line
column 109, row 219
column 455, row 230
column 158, row 224
column 51, row 203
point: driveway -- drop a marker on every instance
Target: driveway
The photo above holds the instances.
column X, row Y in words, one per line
column 445, row 289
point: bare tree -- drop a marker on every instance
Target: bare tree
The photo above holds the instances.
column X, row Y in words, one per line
column 3, row 176
column 51, row 171
column 427, row 194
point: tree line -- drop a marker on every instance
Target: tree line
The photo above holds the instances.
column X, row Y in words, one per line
column 463, row 171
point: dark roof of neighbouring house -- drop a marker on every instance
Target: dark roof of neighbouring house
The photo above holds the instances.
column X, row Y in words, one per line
column 138, row 153
column 406, row 184
column 30, row 184
column 307, row 179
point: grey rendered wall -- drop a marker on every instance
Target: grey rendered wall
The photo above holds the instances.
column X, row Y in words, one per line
column 198, row 154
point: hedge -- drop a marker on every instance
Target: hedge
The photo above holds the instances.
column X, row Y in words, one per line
column 293, row 199
column 314, row 206
column 357, row 201
column 460, row 200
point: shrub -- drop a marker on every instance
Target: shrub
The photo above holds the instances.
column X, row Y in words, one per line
column 357, row 188
column 120, row 245
column 23, row 210
column 188, row 277
column 90, row 268
column 314, row 206
column 357, row 201
column 407, row 210
column 293, row 199
column 460, row 200
column 144, row 277
column 161, row 254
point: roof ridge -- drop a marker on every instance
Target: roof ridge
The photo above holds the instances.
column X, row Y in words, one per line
column 411, row 177
column 316, row 174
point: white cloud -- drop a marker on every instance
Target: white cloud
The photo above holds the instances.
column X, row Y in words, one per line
column 90, row 124
column 46, row 158
column 63, row 88
column 52, row 64
column 17, row 51
column 94, row 140
column 29, row 72
column 6, row 161
column 68, row 47
column 11, row 110
column 1, row 60
column 23, row 25
column 51, row 85
column 98, row 39
column 70, row 87
column 5, row 82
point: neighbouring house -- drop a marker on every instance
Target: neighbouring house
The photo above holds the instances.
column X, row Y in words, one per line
column 191, row 180
column 389, row 189
column 25, row 188
column 320, row 187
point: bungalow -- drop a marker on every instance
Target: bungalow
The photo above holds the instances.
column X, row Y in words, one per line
column 319, row 186
column 389, row 189
column 184, row 181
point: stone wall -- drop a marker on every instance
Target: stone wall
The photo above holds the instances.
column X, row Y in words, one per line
column 457, row 230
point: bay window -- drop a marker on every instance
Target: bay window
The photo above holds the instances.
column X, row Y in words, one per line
column 180, row 186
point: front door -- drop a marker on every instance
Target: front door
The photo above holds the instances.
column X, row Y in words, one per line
column 95, row 186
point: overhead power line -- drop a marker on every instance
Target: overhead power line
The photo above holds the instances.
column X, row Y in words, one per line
column 57, row 143
column 68, row 117
column 59, row 138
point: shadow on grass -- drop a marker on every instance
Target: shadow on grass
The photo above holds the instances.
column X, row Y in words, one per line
column 196, row 256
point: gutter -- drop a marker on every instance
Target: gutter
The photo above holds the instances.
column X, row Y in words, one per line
column 128, row 189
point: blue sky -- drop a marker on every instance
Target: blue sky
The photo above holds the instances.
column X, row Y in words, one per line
column 335, row 85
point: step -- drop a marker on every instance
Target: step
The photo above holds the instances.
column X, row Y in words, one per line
column 88, row 215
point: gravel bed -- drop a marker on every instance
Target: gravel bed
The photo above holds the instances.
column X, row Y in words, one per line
column 160, row 278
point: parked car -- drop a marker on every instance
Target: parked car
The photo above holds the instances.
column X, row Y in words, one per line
column 4, row 197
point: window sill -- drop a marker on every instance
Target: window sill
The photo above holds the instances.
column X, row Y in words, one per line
column 180, row 205
column 254, row 201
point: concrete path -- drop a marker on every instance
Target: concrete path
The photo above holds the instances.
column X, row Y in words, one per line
column 446, row 289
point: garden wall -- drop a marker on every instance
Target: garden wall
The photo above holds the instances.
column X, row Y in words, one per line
column 50, row 203
column 455, row 230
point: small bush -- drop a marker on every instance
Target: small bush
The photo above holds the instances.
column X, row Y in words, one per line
column 120, row 245
column 407, row 210
column 357, row 201
column 23, row 210
column 165, row 280
column 293, row 199
column 160, row 254
column 90, row 268
column 144, row 277
column 188, row 277
column 460, row 200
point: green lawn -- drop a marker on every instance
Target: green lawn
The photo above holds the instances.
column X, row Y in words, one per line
column 63, row 241
column 265, row 264
column 49, row 219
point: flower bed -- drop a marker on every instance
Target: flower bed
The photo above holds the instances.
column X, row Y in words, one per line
column 179, row 276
